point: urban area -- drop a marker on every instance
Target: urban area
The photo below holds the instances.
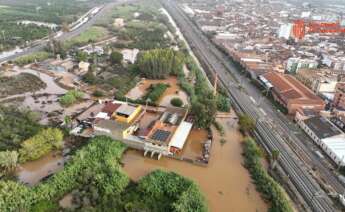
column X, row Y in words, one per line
column 172, row 105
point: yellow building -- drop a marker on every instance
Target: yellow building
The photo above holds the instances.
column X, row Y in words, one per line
column 126, row 113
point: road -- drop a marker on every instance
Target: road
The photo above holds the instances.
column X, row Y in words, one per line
column 274, row 130
column 68, row 35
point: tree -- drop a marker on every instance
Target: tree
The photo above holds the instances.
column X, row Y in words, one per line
column 68, row 122
column 116, row 58
column 246, row 123
column 81, row 56
column 177, row 102
column 204, row 110
column 8, row 160
column 274, row 158
column 160, row 63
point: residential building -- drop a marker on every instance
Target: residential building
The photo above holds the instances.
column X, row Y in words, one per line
column 295, row 64
column 155, row 130
column 318, row 80
column 290, row 93
column 339, row 97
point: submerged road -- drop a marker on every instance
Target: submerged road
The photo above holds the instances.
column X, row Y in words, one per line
column 274, row 130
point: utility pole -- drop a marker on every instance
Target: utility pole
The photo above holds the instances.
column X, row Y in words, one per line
column 215, row 85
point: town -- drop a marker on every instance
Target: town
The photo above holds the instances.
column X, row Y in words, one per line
column 179, row 105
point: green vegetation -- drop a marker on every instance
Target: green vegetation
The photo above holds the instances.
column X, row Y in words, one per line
column 265, row 184
column 223, row 103
column 116, row 57
column 96, row 165
column 98, row 93
column 16, row 126
column 71, row 97
column 160, row 63
column 177, row 102
column 246, row 123
column 91, row 35
column 8, row 161
column 19, row 84
column 155, row 91
column 58, row 12
column 219, row 128
column 94, row 178
column 31, row 58
column 41, row 144
column 165, row 191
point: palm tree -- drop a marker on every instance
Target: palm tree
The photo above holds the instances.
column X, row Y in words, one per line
column 274, row 158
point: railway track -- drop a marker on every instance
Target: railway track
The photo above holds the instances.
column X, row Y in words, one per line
column 212, row 59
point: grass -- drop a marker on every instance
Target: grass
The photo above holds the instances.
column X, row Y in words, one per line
column 34, row 57
column 93, row 34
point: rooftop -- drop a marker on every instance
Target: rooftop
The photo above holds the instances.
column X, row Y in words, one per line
column 290, row 88
column 322, row 127
column 126, row 109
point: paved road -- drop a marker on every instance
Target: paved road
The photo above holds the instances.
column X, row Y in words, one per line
column 71, row 34
column 272, row 128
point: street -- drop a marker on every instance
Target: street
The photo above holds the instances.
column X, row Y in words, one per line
column 273, row 129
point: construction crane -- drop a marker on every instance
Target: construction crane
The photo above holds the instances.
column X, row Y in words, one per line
column 302, row 27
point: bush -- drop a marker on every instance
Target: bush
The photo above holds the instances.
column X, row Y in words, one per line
column 98, row 93
column 177, row 102
column 265, row 184
column 155, row 92
column 116, row 57
column 34, row 57
column 71, row 97
column 166, row 191
column 246, row 123
column 41, row 144
column 223, row 103
column 97, row 164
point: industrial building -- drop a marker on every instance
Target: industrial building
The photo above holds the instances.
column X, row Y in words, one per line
column 290, row 93
column 327, row 136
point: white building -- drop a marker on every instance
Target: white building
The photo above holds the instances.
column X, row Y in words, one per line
column 295, row 64
column 327, row 136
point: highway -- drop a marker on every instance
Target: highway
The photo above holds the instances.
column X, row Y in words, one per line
column 67, row 35
column 274, row 130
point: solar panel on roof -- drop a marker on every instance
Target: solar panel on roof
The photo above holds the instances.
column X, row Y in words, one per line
column 160, row 135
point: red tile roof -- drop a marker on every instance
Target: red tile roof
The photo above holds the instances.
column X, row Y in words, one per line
column 289, row 88
column 110, row 108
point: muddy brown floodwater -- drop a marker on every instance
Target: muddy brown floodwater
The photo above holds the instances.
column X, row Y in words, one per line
column 32, row 172
column 225, row 183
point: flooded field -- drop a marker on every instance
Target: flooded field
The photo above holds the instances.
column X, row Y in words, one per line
column 173, row 91
column 225, row 182
column 32, row 172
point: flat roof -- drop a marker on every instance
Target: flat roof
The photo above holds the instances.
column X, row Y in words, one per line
column 337, row 145
column 126, row 109
column 181, row 135
column 322, row 127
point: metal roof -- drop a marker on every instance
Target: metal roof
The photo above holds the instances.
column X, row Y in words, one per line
column 181, row 134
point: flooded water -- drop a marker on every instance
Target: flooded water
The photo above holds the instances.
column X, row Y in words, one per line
column 171, row 92
column 225, row 182
column 32, row 172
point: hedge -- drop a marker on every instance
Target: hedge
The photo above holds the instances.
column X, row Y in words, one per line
column 156, row 91
column 265, row 184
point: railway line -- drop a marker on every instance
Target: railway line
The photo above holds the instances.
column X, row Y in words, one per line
column 272, row 133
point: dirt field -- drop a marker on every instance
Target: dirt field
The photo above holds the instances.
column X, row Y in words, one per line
column 20, row 84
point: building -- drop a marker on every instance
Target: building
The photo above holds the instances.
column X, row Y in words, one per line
column 295, row 64
column 339, row 97
column 155, row 130
column 290, row 93
column 327, row 136
column 318, row 80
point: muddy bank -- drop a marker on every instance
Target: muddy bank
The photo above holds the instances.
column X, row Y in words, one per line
column 225, row 182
